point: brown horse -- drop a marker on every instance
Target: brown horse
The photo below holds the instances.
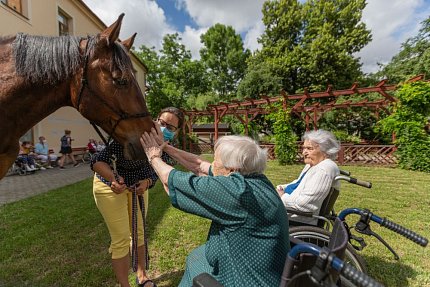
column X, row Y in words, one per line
column 38, row 75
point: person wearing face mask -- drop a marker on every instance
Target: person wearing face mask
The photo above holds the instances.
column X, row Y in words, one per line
column 41, row 149
column 248, row 239
column 168, row 125
column 114, row 192
column 309, row 190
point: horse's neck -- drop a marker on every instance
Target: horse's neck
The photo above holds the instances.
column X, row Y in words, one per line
column 29, row 104
column 23, row 104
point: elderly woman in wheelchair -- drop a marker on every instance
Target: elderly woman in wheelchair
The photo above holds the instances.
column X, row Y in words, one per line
column 308, row 191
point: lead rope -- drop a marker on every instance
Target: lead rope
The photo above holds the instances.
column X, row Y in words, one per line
column 134, row 237
column 134, row 254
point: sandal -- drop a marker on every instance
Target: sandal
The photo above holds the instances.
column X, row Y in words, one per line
column 143, row 284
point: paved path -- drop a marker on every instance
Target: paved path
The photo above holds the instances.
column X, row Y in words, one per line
column 16, row 187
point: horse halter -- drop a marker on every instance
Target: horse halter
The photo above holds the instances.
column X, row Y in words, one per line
column 121, row 115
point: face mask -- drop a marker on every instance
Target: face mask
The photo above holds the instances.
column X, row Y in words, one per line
column 44, row 141
column 168, row 135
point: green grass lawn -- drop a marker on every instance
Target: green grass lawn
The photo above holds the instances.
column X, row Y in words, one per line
column 59, row 238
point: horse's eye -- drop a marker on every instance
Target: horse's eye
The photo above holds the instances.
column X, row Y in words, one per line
column 120, row 82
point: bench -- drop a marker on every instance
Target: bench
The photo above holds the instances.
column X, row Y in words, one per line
column 79, row 152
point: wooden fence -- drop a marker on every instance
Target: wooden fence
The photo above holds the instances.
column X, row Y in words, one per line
column 348, row 155
column 367, row 154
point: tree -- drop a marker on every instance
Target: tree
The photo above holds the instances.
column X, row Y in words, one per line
column 413, row 58
column 155, row 98
column 313, row 44
column 173, row 77
column 259, row 80
column 225, row 58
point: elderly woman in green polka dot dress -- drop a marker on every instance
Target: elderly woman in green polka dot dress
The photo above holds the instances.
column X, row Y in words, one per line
column 248, row 238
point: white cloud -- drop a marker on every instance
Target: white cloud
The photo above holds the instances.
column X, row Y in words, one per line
column 240, row 14
column 253, row 34
column 243, row 15
column 191, row 40
column 391, row 23
column 144, row 17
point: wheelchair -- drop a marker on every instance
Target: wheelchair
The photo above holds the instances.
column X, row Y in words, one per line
column 320, row 234
column 309, row 265
column 88, row 156
column 18, row 167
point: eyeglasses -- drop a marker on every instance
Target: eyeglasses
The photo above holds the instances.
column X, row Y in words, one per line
column 167, row 126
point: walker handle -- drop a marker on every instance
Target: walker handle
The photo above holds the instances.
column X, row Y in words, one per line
column 409, row 234
column 358, row 278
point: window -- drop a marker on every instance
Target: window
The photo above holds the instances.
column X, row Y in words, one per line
column 64, row 24
column 14, row 4
column 19, row 6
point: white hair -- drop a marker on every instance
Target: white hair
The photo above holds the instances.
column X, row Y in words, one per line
column 326, row 141
column 241, row 153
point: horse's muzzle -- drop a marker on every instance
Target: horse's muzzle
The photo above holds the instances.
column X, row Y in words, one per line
column 134, row 151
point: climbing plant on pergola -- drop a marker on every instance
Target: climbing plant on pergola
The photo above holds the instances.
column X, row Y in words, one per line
column 301, row 105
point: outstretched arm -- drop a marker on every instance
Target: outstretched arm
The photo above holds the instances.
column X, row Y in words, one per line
column 188, row 160
column 153, row 152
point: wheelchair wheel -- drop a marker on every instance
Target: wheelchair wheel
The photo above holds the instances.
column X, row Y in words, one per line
column 320, row 237
column 86, row 158
column 22, row 171
column 10, row 171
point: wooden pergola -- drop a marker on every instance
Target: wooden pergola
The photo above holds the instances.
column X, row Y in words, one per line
column 301, row 105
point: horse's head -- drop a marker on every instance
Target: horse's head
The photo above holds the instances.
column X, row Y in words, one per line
column 107, row 93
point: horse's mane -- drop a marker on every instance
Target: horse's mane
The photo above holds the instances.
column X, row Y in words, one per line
column 3, row 39
column 50, row 60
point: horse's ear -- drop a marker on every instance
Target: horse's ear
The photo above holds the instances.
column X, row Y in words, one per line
column 111, row 33
column 129, row 42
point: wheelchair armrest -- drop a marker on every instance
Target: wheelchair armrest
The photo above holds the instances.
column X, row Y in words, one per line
column 301, row 213
column 205, row 280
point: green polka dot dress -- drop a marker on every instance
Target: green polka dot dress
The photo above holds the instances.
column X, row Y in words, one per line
column 248, row 239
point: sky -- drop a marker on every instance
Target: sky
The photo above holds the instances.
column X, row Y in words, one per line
column 390, row 21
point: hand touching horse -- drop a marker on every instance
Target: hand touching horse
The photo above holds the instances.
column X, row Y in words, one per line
column 38, row 75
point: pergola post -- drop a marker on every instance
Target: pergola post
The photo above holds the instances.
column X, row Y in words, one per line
column 216, row 123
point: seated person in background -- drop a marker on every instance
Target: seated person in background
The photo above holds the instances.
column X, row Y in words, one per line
column 248, row 239
column 26, row 156
column 100, row 146
column 309, row 190
column 41, row 149
column 92, row 146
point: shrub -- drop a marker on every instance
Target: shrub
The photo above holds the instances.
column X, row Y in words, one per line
column 408, row 122
column 285, row 138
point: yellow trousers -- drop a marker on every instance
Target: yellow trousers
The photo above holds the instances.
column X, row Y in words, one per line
column 116, row 212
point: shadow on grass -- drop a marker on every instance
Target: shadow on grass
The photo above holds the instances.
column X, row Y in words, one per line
column 393, row 274
column 169, row 279
column 159, row 203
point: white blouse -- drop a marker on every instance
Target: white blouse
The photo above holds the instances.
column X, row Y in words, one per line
column 312, row 190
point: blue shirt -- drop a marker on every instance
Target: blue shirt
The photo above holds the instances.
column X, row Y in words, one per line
column 41, row 148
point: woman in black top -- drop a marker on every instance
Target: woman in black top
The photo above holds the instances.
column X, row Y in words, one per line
column 66, row 149
column 118, row 185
